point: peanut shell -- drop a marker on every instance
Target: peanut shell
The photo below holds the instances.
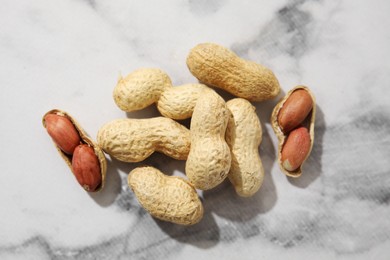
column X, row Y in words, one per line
column 218, row 66
column 168, row 198
column 179, row 102
column 244, row 135
column 209, row 159
column 134, row 140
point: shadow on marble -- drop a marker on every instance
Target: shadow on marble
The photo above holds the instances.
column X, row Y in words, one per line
column 225, row 202
column 204, row 234
column 164, row 163
column 112, row 187
column 147, row 112
column 312, row 168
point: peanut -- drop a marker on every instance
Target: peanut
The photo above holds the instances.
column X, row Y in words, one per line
column 86, row 167
column 140, row 89
column 295, row 110
column 296, row 149
column 144, row 87
column 179, row 102
column 133, row 140
column 86, row 159
column 243, row 136
column 62, row 131
column 167, row 198
column 209, row 159
column 219, row 67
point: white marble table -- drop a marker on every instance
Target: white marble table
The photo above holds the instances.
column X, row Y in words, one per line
column 69, row 55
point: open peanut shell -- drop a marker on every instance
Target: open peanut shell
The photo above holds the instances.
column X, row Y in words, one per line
column 85, row 139
column 308, row 122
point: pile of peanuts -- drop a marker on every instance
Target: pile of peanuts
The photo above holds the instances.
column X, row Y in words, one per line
column 222, row 141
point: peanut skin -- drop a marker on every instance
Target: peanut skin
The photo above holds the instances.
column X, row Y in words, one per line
column 86, row 167
column 243, row 136
column 209, row 159
column 63, row 132
column 168, row 198
column 295, row 110
column 296, row 149
column 217, row 66
column 133, row 140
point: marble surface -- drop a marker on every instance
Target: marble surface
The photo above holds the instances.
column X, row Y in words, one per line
column 69, row 55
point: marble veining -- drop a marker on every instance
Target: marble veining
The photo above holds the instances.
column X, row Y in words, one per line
column 70, row 54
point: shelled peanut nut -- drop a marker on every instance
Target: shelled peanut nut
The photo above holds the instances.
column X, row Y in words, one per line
column 63, row 132
column 86, row 167
column 295, row 149
column 296, row 108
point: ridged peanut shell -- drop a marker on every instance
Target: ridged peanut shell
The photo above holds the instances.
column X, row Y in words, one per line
column 133, row 140
column 209, row 159
column 85, row 139
column 218, row 66
column 179, row 102
column 168, row 198
column 140, row 89
column 309, row 122
column 244, row 135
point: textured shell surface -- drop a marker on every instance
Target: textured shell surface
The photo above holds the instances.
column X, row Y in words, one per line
column 244, row 135
column 209, row 159
column 84, row 139
column 218, row 66
column 167, row 198
column 179, row 102
column 140, row 89
column 309, row 122
column 133, row 140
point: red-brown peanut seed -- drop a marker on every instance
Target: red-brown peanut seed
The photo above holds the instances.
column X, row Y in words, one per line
column 63, row 132
column 86, row 167
column 295, row 110
column 296, row 149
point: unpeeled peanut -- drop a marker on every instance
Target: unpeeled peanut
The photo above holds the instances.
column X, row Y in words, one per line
column 295, row 110
column 243, row 136
column 62, row 131
column 143, row 87
column 168, row 198
column 218, row 66
column 179, row 102
column 86, row 167
column 209, row 159
column 140, row 88
column 133, row 140
column 296, row 149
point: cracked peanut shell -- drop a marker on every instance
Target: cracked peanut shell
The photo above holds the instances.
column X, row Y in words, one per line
column 309, row 123
column 84, row 139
